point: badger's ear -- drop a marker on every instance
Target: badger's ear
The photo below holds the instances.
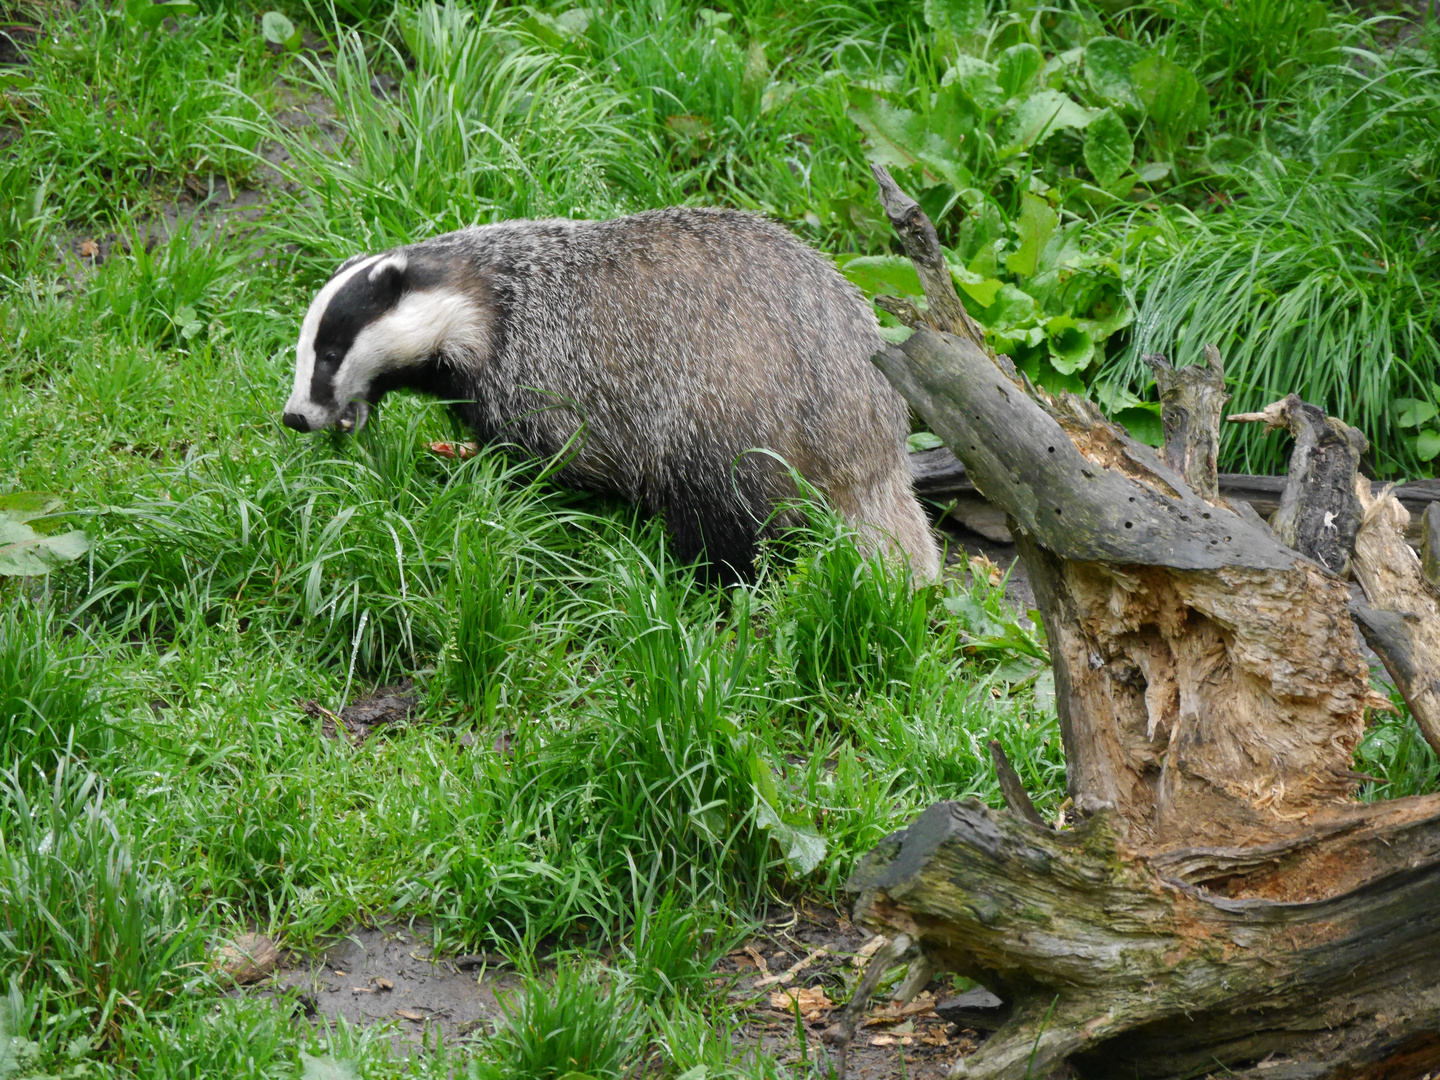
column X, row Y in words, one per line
column 351, row 261
column 388, row 276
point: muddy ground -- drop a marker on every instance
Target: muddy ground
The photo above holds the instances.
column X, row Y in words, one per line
column 810, row 956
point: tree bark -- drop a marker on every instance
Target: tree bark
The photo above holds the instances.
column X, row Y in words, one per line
column 1319, row 511
column 1401, row 618
column 1223, row 898
column 1122, row 967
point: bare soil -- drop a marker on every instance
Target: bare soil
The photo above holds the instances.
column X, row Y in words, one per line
column 387, row 975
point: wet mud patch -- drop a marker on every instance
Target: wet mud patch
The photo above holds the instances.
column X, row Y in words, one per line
column 383, row 706
column 387, row 975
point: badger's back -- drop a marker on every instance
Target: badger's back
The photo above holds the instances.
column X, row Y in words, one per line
column 661, row 348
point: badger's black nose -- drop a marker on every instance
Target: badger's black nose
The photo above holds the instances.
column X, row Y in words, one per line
column 295, row 421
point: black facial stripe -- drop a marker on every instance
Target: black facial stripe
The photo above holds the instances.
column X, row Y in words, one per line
column 357, row 304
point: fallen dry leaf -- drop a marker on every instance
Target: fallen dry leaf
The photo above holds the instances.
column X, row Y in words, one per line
column 382, row 983
column 410, row 1014
column 869, row 949
column 935, row 1037
column 986, row 569
column 757, row 959
column 361, row 990
column 88, row 249
column 812, row 1002
column 894, row 1012
column 249, row 958
column 891, row 1040
column 461, row 450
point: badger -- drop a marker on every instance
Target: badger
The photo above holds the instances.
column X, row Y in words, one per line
column 685, row 359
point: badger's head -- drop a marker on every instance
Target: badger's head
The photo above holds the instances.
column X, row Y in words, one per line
column 383, row 322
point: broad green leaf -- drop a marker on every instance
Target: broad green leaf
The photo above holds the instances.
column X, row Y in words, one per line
column 959, row 17
column 1171, row 95
column 895, row 134
column 326, row 1068
column 1155, row 170
column 1041, row 115
column 1044, row 685
column 1143, row 423
column 577, row 20
column 1037, row 222
column 1012, row 305
column 1113, row 396
column 1427, row 445
column 1018, row 67
column 923, row 440
column 27, row 553
column 802, row 847
column 28, row 505
column 699, row 1072
column 1108, row 62
column 981, row 289
column 279, row 30
column 1109, row 149
column 901, row 139
column 1414, row 413
column 878, row 274
column 954, row 117
column 152, row 14
column 1071, row 346
column 978, row 79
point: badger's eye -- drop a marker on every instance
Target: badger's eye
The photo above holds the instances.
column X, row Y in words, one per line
column 331, row 356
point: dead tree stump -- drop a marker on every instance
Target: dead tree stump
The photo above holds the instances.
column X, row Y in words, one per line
column 1224, row 900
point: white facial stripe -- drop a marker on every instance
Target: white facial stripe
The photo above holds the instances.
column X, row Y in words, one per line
column 398, row 262
column 305, row 348
column 421, row 325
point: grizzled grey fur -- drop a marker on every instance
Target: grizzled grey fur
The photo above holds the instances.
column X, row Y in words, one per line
column 673, row 343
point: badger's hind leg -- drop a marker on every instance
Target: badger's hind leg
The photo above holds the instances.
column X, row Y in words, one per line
column 890, row 520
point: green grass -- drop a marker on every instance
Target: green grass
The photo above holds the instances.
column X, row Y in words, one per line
column 614, row 768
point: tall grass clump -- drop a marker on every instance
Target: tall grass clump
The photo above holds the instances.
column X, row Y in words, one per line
column 847, row 622
column 81, row 911
column 1321, row 276
column 570, row 1026
column 109, row 113
column 352, row 543
column 50, row 699
column 643, row 772
column 483, row 126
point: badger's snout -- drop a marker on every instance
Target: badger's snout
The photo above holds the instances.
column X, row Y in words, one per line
column 295, row 422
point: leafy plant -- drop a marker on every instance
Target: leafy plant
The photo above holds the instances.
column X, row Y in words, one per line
column 29, row 542
column 280, row 31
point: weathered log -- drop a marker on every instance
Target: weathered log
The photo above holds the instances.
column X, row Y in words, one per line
column 1224, row 899
column 1191, row 399
column 1401, row 618
column 922, row 245
column 1319, row 513
column 1430, row 544
column 1012, row 789
column 1173, row 623
column 939, row 475
column 1123, row 969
